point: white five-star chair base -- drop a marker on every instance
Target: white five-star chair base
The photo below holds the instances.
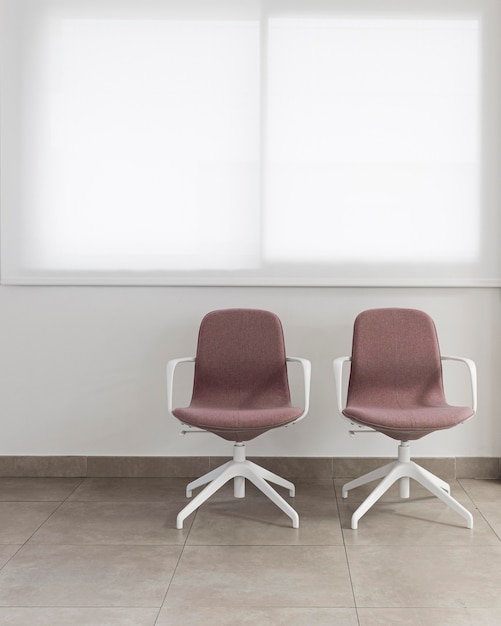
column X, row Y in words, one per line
column 239, row 469
column 403, row 470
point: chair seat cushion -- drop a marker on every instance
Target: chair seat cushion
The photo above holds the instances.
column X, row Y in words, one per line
column 237, row 424
column 406, row 424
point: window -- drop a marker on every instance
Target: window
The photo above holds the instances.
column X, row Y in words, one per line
column 275, row 142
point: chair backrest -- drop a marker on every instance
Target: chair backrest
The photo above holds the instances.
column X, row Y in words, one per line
column 241, row 360
column 395, row 360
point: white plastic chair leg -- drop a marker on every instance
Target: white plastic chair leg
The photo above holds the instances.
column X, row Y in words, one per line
column 238, row 469
column 434, row 485
column 376, row 474
column 274, row 478
column 275, row 497
column 395, row 473
column 206, row 478
column 400, row 471
column 434, row 479
column 224, row 476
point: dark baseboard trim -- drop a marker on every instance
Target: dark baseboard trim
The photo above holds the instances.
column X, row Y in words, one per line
column 188, row 467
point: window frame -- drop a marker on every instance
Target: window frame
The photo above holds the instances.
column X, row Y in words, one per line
column 365, row 274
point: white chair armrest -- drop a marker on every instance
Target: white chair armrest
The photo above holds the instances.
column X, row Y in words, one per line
column 171, row 366
column 472, row 369
column 338, row 378
column 306, row 365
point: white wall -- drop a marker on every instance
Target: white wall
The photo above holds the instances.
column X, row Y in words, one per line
column 82, row 369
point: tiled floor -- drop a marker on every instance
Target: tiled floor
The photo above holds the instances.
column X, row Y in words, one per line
column 105, row 551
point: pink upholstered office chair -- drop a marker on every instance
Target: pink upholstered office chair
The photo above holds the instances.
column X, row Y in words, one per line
column 396, row 388
column 240, row 391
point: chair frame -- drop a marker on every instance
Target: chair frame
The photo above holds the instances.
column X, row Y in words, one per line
column 402, row 469
column 239, row 468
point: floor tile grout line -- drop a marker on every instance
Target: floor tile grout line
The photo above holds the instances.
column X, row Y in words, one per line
column 488, row 523
column 440, row 545
column 177, row 564
column 158, row 614
column 477, row 508
column 191, row 529
column 79, row 606
column 12, row 555
column 43, row 523
column 346, row 553
column 82, row 480
column 63, row 499
column 22, row 545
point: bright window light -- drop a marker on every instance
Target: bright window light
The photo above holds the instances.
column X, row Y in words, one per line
column 258, row 142
column 150, row 144
column 373, row 149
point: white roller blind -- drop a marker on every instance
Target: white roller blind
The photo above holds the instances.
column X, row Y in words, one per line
column 385, row 137
column 219, row 142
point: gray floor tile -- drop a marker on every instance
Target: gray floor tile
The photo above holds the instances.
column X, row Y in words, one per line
column 491, row 513
column 481, row 491
column 129, row 489
column 113, row 523
column 19, row 520
column 37, row 489
column 321, row 488
column 88, row 576
column 7, row 552
column 433, row 577
column 247, row 616
column 431, row 617
column 261, row 576
column 77, row 617
column 417, row 522
column 105, row 551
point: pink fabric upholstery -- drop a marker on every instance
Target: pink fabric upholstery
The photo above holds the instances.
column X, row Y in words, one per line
column 240, row 388
column 396, row 376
